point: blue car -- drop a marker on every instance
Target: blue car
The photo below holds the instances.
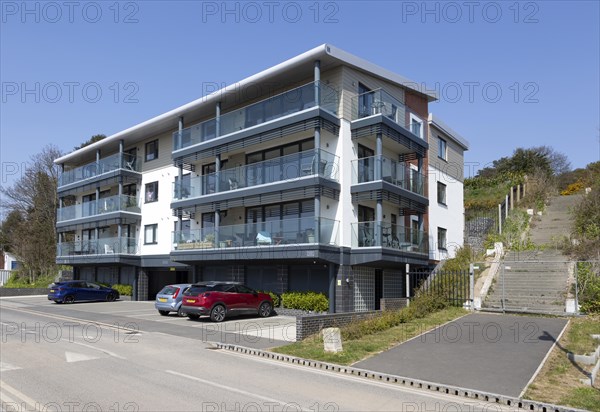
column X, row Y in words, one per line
column 79, row 290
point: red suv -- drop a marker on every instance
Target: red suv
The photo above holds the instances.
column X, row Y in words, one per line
column 221, row 299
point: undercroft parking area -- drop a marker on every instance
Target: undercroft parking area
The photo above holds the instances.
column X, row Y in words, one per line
column 250, row 331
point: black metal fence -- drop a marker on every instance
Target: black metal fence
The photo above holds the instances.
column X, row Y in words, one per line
column 453, row 286
column 478, row 224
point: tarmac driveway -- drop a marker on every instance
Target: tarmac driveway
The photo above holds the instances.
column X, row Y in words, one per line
column 486, row 352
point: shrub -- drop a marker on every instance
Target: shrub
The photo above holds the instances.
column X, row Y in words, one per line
column 18, row 280
column 588, row 284
column 124, row 290
column 309, row 301
column 276, row 297
column 572, row 188
column 422, row 305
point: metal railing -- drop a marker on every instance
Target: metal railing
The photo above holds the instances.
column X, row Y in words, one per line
column 279, row 169
column 105, row 246
column 292, row 101
column 101, row 206
column 381, row 102
column 306, row 230
column 375, row 168
column 384, row 234
column 107, row 164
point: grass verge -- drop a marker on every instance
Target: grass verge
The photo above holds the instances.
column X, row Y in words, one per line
column 358, row 349
column 558, row 381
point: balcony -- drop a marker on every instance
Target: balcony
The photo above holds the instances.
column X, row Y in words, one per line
column 386, row 235
column 108, row 164
column 293, row 166
column 98, row 207
column 301, row 231
column 284, row 104
column 380, row 102
column 98, row 247
column 380, row 168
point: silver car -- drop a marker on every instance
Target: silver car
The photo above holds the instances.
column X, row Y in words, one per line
column 169, row 299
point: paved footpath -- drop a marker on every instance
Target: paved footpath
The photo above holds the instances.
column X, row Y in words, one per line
column 487, row 352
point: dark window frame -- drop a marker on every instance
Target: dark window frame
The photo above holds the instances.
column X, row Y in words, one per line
column 442, row 148
column 442, row 201
column 155, row 191
column 151, row 151
column 154, row 227
column 442, row 245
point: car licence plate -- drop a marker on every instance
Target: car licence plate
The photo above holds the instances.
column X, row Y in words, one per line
column 51, row 290
column 162, row 299
column 189, row 300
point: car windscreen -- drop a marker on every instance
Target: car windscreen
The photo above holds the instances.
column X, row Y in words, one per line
column 196, row 290
column 168, row 290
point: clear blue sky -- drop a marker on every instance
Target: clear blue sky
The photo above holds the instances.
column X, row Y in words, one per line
column 148, row 57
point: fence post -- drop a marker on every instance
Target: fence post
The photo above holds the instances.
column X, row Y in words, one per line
column 500, row 218
column 503, row 307
column 518, row 193
column 512, row 197
column 576, row 289
column 506, row 207
column 472, row 286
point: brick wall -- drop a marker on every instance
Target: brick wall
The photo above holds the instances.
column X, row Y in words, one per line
column 309, row 325
column 142, row 285
column 393, row 303
column 23, row 291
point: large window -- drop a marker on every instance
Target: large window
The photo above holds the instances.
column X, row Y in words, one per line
column 185, row 232
column 151, row 150
column 150, row 234
column 151, row 194
column 441, row 193
column 442, row 149
column 441, row 234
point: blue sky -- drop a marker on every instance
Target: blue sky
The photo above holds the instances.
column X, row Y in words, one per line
column 510, row 74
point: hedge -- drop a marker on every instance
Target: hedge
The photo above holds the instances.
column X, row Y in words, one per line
column 124, row 290
column 308, row 301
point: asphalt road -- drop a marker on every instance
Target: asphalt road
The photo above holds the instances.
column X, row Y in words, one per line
column 58, row 362
column 486, row 352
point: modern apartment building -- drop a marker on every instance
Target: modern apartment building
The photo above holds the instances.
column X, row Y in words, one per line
column 446, row 195
column 310, row 175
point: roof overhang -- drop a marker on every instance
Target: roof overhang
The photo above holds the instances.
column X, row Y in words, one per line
column 296, row 67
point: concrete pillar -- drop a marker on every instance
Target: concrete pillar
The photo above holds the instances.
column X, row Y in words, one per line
column 407, row 286
column 512, row 197
column 317, row 75
column 378, row 156
column 218, row 119
column 98, row 162
column 506, row 208
column 217, row 224
column 378, row 220
column 217, row 173
column 332, row 279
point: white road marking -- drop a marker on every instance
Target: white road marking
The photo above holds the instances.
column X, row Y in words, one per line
column 109, row 353
column 230, row 388
column 21, row 397
column 4, row 366
column 78, row 357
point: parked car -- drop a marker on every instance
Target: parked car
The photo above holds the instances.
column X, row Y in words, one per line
column 78, row 290
column 169, row 299
column 221, row 299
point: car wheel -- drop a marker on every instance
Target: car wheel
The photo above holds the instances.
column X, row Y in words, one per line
column 69, row 299
column 217, row 314
column 180, row 312
column 57, row 301
column 193, row 316
column 111, row 297
column 265, row 310
column 164, row 312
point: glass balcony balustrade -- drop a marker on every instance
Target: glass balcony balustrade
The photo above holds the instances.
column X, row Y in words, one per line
column 383, row 234
column 279, row 169
column 292, row 101
column 105, row 165
column 104, row 246
column 101, row 206
column 381, row 102
column 376, row 168
column 299, row 231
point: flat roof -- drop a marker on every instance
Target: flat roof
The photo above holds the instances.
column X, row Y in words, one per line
column 437, row 122
column 330, row 56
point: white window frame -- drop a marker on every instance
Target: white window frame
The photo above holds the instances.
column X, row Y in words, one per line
column 412, row 117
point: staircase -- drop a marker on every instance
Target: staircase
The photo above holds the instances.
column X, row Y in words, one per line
column 537, row 281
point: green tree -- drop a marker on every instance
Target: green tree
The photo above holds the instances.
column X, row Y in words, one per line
column 95, row 138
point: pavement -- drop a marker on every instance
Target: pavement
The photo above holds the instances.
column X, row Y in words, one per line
column 486, row 352
column 61, row 361
column 249, row 331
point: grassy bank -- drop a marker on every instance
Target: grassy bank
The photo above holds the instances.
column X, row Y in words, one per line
column 368, row 345
column 558, row 381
